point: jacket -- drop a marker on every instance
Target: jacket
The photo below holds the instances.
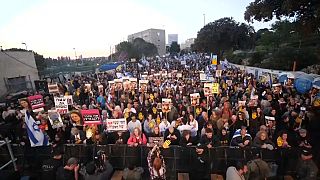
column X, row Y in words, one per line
column 141, row 140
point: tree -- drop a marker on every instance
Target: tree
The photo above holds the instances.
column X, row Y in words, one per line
column 224, row 34
column 304, row 13
column 174, row 48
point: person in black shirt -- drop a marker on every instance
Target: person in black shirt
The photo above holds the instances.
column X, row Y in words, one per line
column 209, row 140
column 50, row 166
column 173, row 135
column 69, row 171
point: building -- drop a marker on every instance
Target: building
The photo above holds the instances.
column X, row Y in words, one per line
column 187, row 44
column 172, row 38
column 154, row 36
column 18, row 71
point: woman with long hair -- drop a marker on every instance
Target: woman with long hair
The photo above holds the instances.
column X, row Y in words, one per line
column 137, row 138
column 156, row 164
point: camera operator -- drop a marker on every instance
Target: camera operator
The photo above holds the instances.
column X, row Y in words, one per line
column 100, row 169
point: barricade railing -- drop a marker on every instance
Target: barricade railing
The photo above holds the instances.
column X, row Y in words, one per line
column 177, row 158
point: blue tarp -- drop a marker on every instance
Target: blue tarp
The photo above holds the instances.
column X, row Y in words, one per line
column 316, row 83
column 107, row 67
column 303, row 83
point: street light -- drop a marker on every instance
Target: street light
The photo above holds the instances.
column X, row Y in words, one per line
column 25, row 45
column 204, row 19
column 75, row 53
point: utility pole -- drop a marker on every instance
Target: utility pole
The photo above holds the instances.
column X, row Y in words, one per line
column 204, row 19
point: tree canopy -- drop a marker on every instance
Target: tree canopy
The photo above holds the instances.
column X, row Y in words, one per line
column 304, row 13
column 174, row 48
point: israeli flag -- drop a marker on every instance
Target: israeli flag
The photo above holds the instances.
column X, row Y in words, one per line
column 36, row 136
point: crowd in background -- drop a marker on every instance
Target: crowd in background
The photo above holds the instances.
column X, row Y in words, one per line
column 274, row 115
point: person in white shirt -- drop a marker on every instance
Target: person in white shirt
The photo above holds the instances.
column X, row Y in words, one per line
column 164, row 125
column 194, row 125
column 236, row 173
column 133, row 123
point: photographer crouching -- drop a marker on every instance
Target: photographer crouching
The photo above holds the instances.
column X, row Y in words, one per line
column 98, row 169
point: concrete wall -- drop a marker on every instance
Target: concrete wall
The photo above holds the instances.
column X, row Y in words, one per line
column 10, row 67
column 154, row 36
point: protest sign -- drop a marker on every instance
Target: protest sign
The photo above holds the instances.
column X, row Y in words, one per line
column 229, row 82
column 133, row 83
column 117, row 125
column 207, row 88
column 203, row 77
column 126, row 83
column 118, row 83
column 36, row 103
column 100, row 88
column 88, row 87
column 183, row 62
column 218, row 73
column 215, row 88
column 53, row 88
column 242, row 103
column 55, row 119
column 195, row 99
column 179, row 75
column 166, row 105
column 214, row 60
column 111, row 84
column 61, row 104
column 91, row 116
column 143, row 85
column 69, row 99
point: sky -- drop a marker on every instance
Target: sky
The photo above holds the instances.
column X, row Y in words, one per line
column 89, row 28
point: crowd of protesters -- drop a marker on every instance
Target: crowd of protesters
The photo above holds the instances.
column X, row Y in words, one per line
column 274, row 115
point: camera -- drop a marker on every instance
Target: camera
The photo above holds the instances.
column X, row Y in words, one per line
column 99, row 160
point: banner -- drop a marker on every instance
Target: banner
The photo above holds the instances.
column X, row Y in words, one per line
column 117, row 125
column 61, row 104
column 36, row 103
column 215, row 88
column 207, row 88
column 166, row 105
column 55, row 119
column 214, row 60
column 91, row 116
column 195, row 99
column 143, row 85
column 53, row 88
column 69, row 99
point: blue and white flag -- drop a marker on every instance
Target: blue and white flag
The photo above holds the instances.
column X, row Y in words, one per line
column 36, row 136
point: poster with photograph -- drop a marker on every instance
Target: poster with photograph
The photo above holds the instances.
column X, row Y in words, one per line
column 36, row 103
column 242, row 103
column 116, row 125
column 229, row 82
column 143, row 85
column 195, row 99
column 166, row 105
column 91, row 116
column 133, row 84
column 111, row 85
column 55, row 119
column 88, row 87
column 53, row 88
column 69, row 99
column 207, row 88
column 126, row 83
column 61, row 105
column 118, row 84
column 218, row 73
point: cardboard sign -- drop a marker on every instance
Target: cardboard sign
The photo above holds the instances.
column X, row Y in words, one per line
column 229, row 82
column 61, row 104
column 218, row 73
column 207, row 88
column 69, row 99
column 91, row 116
column 166, row 105
column 195, row 99
column 55, row 119
column 117, row 125
column 143, row 85
column 215, row 88
column 36, row 103
column 53, row 88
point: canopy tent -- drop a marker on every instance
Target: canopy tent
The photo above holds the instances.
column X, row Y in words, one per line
column 303, row 83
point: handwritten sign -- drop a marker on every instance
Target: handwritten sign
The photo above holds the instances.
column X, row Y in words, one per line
column 61, row 104
column 117, row 125
column 36, row 103
column 215, row 88
column 55, row 119
column 91, row 116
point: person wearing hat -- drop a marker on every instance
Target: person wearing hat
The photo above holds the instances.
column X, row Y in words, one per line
column 50, row 166
column 306, row 168
column 133, row 123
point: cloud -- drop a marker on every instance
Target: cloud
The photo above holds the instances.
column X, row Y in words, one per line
column 55, row 27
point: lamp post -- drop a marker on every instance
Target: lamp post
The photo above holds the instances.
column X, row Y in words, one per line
column 75, row 53
column 25, row 45
column 204, row 19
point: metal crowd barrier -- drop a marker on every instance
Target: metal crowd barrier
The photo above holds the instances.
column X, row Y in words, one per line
column 177, row 158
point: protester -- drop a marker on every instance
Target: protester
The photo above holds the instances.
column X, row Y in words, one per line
column 137, row 138
column 49, row 167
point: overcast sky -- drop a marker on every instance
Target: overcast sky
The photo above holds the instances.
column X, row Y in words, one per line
column 54, row 27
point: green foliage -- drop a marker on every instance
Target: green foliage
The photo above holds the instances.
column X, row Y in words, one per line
column 222, row 35
column 174, row 48
column 304, row 13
